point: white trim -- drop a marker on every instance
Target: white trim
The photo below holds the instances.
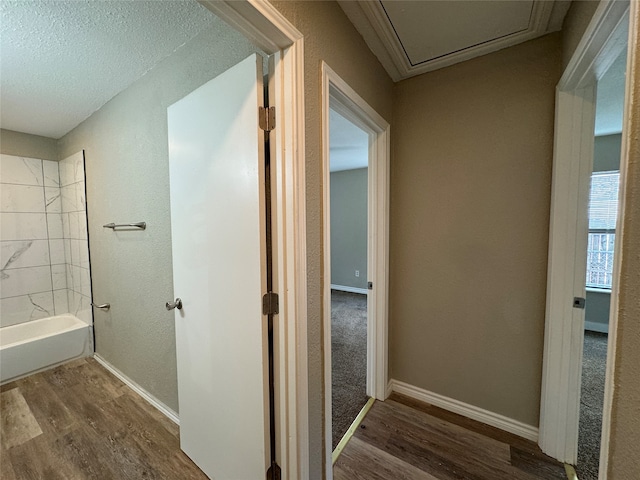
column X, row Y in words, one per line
column 344, row 288
column 596, row 327
column 337, row 94
column 466, row 410
column 268, row 29
column 373, row 24
column 633, row 58
column 605, row 291
column 573, row 157
column 153, row 401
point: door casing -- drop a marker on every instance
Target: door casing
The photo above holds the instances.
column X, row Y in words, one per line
column 269, row 30
column 337, row 94
column 572, row 165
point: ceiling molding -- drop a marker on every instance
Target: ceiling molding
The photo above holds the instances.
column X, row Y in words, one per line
column 371, row 20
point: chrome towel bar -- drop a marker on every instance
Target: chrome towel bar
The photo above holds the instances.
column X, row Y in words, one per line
column 113, row 226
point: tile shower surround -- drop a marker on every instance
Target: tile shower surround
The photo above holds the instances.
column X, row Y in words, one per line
column 44, row 256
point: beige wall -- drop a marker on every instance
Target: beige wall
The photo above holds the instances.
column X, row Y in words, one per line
column 329, row 36
column 624, row 461
column 470, row 196
column 574, row 26
column 349, row 227
column 127, row 171
column 26, row 145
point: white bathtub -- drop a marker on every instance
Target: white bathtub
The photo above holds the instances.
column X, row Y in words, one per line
column 36, row 345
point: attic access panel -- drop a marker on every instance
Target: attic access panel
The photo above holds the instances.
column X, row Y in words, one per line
column 431, row 30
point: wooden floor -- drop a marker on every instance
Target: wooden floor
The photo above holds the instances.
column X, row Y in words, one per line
column 78, row 421
column 405, row 439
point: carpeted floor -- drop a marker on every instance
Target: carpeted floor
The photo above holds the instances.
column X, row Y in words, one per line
column 348, row 359
column 591, row 400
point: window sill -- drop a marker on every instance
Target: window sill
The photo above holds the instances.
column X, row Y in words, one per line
column 599, row 290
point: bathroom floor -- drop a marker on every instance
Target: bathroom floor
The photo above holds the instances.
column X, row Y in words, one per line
column 78, row 421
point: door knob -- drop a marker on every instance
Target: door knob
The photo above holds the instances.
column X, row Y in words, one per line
column 177, row 304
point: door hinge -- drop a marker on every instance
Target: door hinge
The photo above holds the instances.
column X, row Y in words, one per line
column 267, row 118
column 270, row 304
column 370, row 285
column 579, row 302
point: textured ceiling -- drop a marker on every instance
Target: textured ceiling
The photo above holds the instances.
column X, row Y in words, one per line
column 348, row 144
column 610, row 98
column 62, row 60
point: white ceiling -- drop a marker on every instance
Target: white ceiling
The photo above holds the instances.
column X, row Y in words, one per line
column 413, row 37
column 62, row 60
column 610, row 98
column 348, row 144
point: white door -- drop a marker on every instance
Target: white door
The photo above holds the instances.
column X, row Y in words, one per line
column 217, row 227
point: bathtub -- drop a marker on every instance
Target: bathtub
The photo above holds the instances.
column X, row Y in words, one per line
column 39, row 344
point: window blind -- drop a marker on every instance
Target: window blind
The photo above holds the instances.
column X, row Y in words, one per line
column 603, row 200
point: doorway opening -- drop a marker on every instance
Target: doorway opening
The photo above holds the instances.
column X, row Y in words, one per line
column 360, row 283
column 603, row 44
column 348, row 166
column 603, row 212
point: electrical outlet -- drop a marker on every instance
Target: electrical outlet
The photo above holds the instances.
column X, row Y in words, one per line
column 357, row 273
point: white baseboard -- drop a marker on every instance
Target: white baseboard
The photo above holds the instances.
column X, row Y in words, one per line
column 596, row 327
column 169, row 413
column 344, row 288
column 389, row 389
column 475, row 413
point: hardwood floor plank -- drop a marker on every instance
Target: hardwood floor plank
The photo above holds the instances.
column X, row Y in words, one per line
column 446, row 450
column 410, row 451
column 101, row 456
column 444, row 438
column 154, row 413
column 535, row 465
column 40, row 459
column 473, row 425
column 18, row 425
column 161, row 446
column 362, row 461
column 47, row 407
column 6, row 470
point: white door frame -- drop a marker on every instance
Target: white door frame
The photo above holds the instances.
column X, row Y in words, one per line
column 337, row 94
column 572, row 166
column 270, row 31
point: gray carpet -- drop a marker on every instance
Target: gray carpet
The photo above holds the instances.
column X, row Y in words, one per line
column 348, row 359
column 591, row 400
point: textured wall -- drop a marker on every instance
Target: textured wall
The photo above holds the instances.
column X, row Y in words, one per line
column 470, row 196
column 574, row 26
column 127, row 169
column 624, row 460
column 349, row 227
column 25, row 145
column 329, row 36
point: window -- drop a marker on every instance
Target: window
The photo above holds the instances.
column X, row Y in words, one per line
column 603, row 211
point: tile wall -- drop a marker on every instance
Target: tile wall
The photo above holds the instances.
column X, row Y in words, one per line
column 74, row 231
column 41, row 260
